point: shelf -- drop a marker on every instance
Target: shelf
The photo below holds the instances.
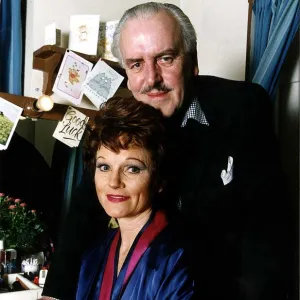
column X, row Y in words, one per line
column 56, row 113
column 48, row 60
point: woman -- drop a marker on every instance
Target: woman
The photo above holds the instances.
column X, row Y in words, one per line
column 142, row 259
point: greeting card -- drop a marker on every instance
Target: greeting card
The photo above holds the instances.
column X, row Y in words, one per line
column 72, row 73
column 101, row 83
column 106, row 32
column 84, row 32
column 52, row 35
column 70, row 130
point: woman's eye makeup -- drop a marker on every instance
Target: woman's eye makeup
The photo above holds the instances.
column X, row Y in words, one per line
column 102, row 167
column 129, row 168
column 135, row 166
column 133, row 169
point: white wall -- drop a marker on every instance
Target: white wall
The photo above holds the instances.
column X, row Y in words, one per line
column 221, row 28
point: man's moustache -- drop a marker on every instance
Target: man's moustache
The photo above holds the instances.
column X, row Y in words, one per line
column 159, row 87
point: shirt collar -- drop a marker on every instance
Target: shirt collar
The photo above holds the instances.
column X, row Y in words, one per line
column 195, row 112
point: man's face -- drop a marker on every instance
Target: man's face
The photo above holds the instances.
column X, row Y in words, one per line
column 154, row 60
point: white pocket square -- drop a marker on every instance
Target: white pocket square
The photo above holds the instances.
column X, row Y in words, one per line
column 227, row 175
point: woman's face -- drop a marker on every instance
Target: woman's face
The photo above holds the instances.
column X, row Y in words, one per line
column 123, row 181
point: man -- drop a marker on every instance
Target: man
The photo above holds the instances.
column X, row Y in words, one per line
column 230, row 188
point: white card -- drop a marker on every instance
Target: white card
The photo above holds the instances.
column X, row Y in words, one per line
column 106, row 32
column 84, row 31
column 71, row 128
column 71, row 75
column 102, row 83
column 52, row 35
column 9, row 117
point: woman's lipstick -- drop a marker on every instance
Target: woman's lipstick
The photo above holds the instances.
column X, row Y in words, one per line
column 116, row 198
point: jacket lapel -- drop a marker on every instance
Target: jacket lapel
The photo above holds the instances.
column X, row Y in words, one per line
column 204, row 158
column 196, row 146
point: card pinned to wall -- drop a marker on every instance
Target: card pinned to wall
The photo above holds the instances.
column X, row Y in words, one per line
column 84, row 31
column 71, row 75
column 101, row 83
column 70, row 130
column 9, row 117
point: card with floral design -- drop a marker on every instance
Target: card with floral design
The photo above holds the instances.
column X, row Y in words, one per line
column 9, row 117
column 101, row 83
column 72, row 73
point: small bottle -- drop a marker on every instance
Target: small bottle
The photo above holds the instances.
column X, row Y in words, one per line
column 11, row 260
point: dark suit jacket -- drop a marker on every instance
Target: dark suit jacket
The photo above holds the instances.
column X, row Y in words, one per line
column 243, row 226
column 240, row 227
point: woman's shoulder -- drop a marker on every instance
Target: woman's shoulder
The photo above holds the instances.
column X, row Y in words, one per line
column 169, row 256
column 169, row 241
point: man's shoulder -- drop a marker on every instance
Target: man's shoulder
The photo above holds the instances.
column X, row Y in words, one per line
column 213, row 83
column 227, row 94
